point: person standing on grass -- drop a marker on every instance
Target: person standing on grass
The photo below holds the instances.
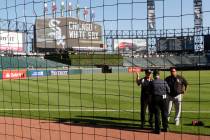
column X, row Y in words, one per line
column 178, row 86
column 145, row 97
column 159, row 89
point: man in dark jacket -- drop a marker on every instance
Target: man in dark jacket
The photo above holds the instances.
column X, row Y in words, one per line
column 145, row 96
column 178, row 86
column 160, row 89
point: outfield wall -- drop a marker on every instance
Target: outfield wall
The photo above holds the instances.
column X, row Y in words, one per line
column 24, row 73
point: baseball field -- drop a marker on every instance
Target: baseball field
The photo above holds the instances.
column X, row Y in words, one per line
column 111, row 100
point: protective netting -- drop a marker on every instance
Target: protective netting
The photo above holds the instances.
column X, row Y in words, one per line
column 68, row 67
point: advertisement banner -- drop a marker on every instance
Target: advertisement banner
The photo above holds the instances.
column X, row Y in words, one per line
column 75, row 71
column 63, row 33
column 14, row 74
column 58, row 72
column 11, row 41
column 198, row 19
column 128, row 45
column 207, row 43
column 134, row 69
column 37, row 73
column 175, row 44
column 151, row 14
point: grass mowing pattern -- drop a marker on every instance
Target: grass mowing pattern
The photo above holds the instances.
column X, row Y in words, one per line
column 99, row 92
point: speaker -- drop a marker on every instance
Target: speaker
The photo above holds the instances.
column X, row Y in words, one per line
column 207, row 43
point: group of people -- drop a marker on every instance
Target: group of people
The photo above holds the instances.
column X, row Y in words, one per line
column 159, row 95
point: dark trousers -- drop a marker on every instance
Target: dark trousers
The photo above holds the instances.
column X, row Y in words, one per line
column 146, row 102
column 160, row 104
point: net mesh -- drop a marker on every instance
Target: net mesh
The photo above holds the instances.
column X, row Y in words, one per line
column 68, row 68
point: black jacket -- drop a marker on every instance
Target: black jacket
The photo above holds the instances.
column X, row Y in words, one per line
column 177, row 85
column 159, row 87
column 144, row 82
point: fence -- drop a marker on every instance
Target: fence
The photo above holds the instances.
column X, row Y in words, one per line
column 44, row 99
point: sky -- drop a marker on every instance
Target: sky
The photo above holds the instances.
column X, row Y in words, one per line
column 111, row 14
column 114, row 14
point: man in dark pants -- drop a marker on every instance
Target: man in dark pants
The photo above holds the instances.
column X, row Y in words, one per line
column 159, row 89
column 145, row 96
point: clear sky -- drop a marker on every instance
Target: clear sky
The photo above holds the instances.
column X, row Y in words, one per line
column 114, row 14
column 111, row 14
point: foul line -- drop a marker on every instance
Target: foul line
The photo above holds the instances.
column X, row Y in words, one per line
column 87, row 110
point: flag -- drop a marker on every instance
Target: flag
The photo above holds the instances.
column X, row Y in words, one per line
column 34, row 12
column 92, row 15
column 62, row 5
column 85, row 13
column 70, row 8
column 54, row 8
column 45, row 8
column 77, row 10
column 62, row 8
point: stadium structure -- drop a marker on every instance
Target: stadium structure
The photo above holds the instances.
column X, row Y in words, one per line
column 51, row 70
column 66, row 35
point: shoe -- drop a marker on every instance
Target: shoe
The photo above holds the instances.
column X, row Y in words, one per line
column 165, row 130
column 156, row 131
column 177, row 122
column 142, row 126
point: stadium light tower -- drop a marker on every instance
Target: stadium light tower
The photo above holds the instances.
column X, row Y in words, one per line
column 198, row 24
column 151, row 27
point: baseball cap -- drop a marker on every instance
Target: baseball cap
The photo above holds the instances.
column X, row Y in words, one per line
column 173, row 69
column 148, row 71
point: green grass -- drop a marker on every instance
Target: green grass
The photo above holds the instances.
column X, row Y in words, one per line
column 97, row 93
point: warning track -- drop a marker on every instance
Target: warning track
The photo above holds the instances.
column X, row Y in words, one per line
column 30, row 129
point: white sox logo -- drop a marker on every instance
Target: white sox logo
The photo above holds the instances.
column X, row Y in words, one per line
column 56, row 32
